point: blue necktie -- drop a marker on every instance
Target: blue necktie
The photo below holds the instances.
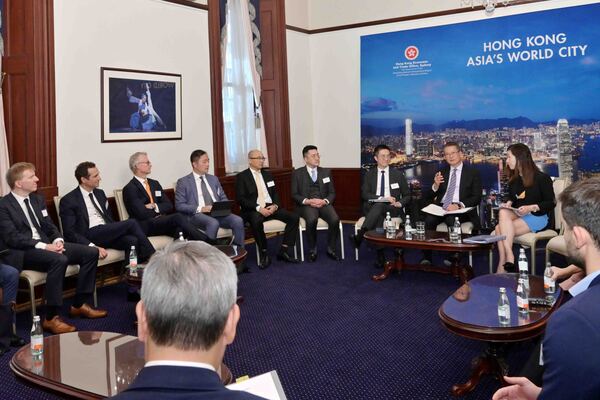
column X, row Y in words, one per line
column 382, row 185
column 313, row 175
column 450, row 190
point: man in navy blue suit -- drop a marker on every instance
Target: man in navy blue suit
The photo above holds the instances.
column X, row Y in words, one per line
column 186, row 318
column 87, row 219
column 196, row 192
column 571, row 347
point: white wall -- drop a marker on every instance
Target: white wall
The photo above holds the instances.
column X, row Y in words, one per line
column 147, row 35
column 296, row 13
column 335, row 75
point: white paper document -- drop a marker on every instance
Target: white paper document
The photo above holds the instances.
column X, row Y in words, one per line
column 379, row 200
column 434, row 209
column 265, row 385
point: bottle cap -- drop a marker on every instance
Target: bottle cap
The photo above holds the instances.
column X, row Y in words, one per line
column 502, row 290
column 36, row 317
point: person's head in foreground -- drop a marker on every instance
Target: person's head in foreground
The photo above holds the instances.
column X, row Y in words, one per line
column 188, row 307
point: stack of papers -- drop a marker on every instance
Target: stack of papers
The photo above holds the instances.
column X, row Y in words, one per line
column 266, row 385
column 483, row 239
column 434, row 209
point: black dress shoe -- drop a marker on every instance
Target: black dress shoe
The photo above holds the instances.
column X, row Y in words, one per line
column 510, row 267
column 331, row 254
column 356, row 239
column 242, row 269
column 16, row 341
column 284, row 256
column 312, row 256
column 264, row 262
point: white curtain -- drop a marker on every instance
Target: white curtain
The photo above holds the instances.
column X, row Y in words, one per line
column 241, row 90
column 4, row 162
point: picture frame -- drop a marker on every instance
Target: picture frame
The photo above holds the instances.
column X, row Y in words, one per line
column 139, row 105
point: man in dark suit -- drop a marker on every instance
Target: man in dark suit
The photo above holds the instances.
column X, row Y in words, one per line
column 259, row 201
column 87, row 219
column 197, row 192
column 454, row 187
column 389, row 187
column 147, row 203
column 313, row 193
column 184, row 348
column 27, row 229
column 571, row 346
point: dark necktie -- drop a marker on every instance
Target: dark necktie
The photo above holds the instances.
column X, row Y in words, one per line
column 382, row 185
column 98, row 208
column 450, row 190
column 32, row 217
column 205, row 193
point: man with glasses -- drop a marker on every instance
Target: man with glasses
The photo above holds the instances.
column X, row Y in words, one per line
column 456, row 186
column 195, row 194
column 313, row 192
column 147, row 203
column 255, row 191
column 383, row 190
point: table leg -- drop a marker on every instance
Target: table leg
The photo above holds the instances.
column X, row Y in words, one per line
column 390, row 266
column 490, row 362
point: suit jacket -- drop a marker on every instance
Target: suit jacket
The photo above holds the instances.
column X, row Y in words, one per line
column 135, row 198
column 15, row 229
column 74, row 215
column 540, row 193
column 246, row 192
column 572, row 348
column 470, row 188
column 179, row 383
column 301, row 182
column 369, row 187
column 186, row 193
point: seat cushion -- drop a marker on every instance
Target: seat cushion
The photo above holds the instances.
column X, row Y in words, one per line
column 273, row 226
column 321, row 224
column 557, row 245
column 224, row 232
column 530, row 238
column 160, row 242
column 113, row 256
column 37, row 278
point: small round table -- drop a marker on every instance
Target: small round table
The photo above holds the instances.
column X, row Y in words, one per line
column 472, row 312
column 86, row 365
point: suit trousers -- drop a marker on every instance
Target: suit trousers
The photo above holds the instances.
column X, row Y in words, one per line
column 171, row 225
column 376, row 214
column 55, row 265
column 210, row 226
column 311, row 215
column 256, row 221
column 122, row 235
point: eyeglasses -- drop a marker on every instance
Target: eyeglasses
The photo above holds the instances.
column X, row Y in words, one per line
column 257, row 158
column 145, row 162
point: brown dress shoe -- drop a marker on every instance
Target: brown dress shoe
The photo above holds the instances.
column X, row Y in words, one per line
column 85, row 311
column 56, row 325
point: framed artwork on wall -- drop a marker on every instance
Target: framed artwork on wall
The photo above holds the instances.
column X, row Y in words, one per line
column 140, row 105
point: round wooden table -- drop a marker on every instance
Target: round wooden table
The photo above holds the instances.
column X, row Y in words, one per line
column 472, row 312
column 86, row 365
column 432, row 240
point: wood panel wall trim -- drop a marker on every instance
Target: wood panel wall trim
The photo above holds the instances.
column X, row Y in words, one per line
column 405, row 18
column 216, row 86
column 189, row 3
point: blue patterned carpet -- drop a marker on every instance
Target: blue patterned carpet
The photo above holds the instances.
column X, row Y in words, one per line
column 329, row 331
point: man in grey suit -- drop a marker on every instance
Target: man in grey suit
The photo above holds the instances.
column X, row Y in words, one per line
column 195, row 194
column 390, row 188
column 313, row 193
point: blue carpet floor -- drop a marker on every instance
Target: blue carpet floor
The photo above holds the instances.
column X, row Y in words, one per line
column 329, row 331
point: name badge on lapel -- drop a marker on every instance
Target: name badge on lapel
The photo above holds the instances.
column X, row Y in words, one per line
column 395, row 186
column 157, row 193
column 270, row 184
column 326, row 180
column 45, row 213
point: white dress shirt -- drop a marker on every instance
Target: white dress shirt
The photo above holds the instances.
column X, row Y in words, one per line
column 261, row 185
column 143, row 182
column 387, row 182
column 94, row 217
column 176, row 363
column 35, row 235
column 199, row 191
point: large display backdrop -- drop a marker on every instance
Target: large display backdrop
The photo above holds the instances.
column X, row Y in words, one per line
column 486, row 84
